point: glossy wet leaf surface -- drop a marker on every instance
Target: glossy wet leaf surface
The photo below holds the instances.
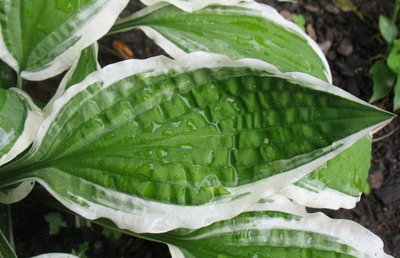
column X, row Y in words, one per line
column 154, row 136
column 33, row 44
column 86, row 64
column 279, row 229
column 82, row 67
column 185, row 138
column 246, row 236
column 13, row 113
column 346, row 173
column 235, row 31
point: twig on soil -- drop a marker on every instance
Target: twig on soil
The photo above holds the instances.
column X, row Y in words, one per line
column 376, row 57
column 109, row 50
column 386, row 135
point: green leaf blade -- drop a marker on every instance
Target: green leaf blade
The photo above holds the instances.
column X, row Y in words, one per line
column 300, row 21
column 85, row 65
column 338, row 183
column 169, row 150
column 240, row 238
column 12, row 125
column 19, row 122
column 396, row 99
column 168, row 138
column 39, row 49
column 393, row 60
column 383, row 78
column 241, row 31
column 276, row 229
column 387, row 28
column 82, row 67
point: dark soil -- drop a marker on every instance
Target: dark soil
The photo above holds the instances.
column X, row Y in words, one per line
column 351, row 46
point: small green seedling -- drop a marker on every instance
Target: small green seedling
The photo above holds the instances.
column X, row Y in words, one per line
column 386, row 72
column 56, row 222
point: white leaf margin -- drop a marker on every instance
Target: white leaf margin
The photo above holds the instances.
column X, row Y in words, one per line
column 365, row 243
column 61, row 88
column 18, row 193
column 33, row 121
column 326, row 198
column 156, row 217
column 32, row 124
column 56, row 255
column 256, row 9
column 192, row 5
column 95, row 28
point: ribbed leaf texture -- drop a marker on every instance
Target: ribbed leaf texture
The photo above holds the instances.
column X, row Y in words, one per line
column 241, row 31
column 161, row 134
column 338, row 183
column 274, row 227
column 258, row 31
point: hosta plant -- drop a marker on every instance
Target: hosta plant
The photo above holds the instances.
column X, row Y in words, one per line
column 215, row 150
column 386, row 71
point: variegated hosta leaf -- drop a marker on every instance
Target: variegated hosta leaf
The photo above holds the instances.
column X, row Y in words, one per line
column 83, row 66
column 167, row 25
column 193, row 5
column 273, row 233
column 190, row 141
column 274, row 227
column 42, row 38
column 19, row 121
column 337, row 183
column 249, row 30
column 206, row 29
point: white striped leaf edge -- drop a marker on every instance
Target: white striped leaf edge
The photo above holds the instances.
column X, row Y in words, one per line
column 56, row 255
column 192, row 5
column 32, row 123
column 166, row 217
column 95, row 28
column 256, row 9
column 326, row 198
column 61, row 88
column 365, row 243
